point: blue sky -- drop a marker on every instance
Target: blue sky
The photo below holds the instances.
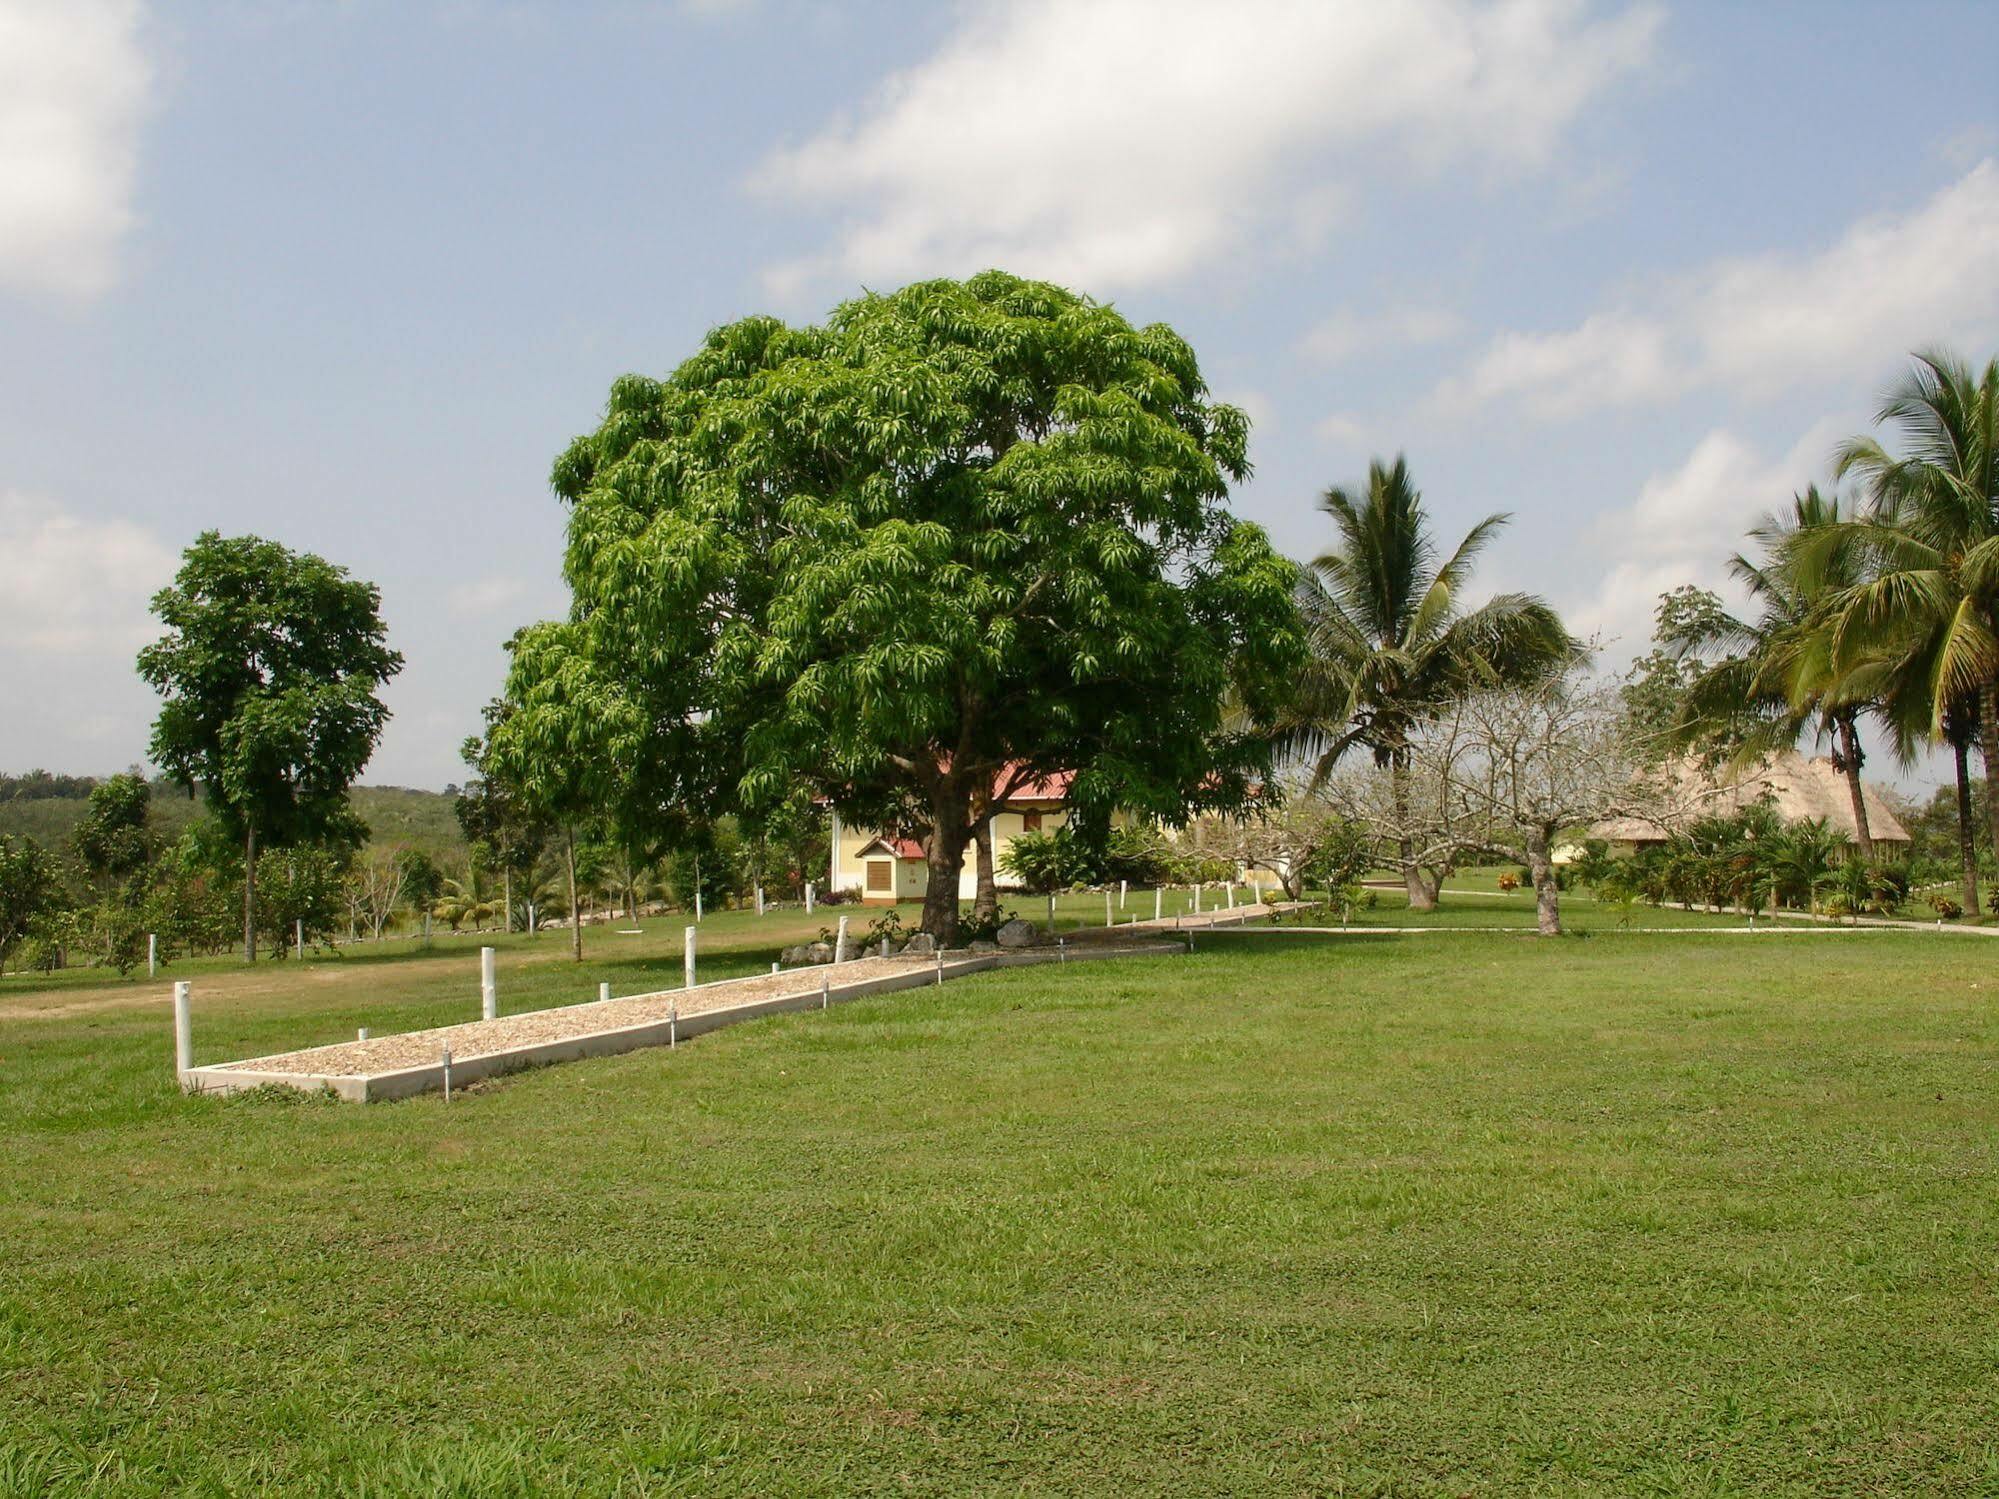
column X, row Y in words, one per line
column 349, row 274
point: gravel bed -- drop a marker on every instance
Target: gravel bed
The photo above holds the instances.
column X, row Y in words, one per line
column 478, row 1038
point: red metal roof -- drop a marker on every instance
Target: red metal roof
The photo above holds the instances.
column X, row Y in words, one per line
column 902, row 848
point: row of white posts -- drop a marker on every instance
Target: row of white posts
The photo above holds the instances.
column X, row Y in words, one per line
column 489, row 998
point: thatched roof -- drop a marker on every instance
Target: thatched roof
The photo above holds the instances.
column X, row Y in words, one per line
column 1799, row 789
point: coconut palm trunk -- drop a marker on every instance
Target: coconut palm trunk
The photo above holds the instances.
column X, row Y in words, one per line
column 1849, row 766
column 1422, row 896
column 1988, row 751
column 1967, row 837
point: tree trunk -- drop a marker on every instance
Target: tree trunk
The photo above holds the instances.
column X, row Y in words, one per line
column 576, row 916
column 1421, row 896
column 1967, row 835
column 1547, row 894
column 1988, row 751
column 985, row 901
column 1849, row 764
column 950, row 831
column 250, row 895
column 507, row 898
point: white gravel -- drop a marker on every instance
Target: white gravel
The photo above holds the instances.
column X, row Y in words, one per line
column 478, row 1038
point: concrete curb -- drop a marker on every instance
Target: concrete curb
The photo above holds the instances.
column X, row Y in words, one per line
column 241, row 1077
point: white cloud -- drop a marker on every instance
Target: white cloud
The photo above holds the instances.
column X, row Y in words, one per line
column 1757, row 325
column 73, row 87
column 1684, row 526
column 1610, row 359
column 484, row 596
column 1348, row 334
column 1124, row 142
column 1342, row 429
column 74, row 614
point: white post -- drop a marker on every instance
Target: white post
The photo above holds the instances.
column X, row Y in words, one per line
column 447, row 1072
column 183, row 1032
column 533, row 925
column 673, row 1024
column 760, row 900
column 823, row 988
column 604, row 992
column 687, row 958
column 774, row 968
column 840, row 942
column 1123, row 889
column 361, row 1034
column 1158, row 899
column 808, row 897
column 940, row 965
column 1051, row 913
column 489, row 993
column 1197, row 898
column 1231, row 895
column 152, row 952
column 298, row 936
column 697, row 887
column 1109, row 918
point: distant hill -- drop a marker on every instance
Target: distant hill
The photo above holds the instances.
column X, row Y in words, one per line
column 47, row 807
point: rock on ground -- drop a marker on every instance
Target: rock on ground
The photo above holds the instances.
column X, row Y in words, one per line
column 1016, row 933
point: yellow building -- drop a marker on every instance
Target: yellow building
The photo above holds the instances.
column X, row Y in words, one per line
column 883, row 868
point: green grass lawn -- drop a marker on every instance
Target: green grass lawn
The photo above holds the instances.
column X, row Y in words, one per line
column 1481, row 1214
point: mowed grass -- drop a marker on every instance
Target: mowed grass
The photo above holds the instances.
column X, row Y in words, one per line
column 1468, row 1213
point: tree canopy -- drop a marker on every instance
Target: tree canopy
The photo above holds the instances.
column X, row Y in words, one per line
column 269, row 666
column 958, row 527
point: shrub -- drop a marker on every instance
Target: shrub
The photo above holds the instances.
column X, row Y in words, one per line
column 970, row 930
column 1509, row 882
column 1945, row 907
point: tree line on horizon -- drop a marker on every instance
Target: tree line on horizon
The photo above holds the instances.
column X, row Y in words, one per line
column 971, row 530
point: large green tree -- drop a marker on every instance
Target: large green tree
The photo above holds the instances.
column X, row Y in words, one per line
column 1392, row 643
column 958, row 527
column 270, row 666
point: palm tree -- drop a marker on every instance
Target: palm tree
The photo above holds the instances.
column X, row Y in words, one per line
column 1931, row 607
column 1392, row 644
column 465, row 900
column 1778, row 679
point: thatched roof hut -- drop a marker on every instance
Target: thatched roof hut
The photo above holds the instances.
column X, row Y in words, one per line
column 1798, row 788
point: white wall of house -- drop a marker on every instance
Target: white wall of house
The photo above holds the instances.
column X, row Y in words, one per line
column 847, row 872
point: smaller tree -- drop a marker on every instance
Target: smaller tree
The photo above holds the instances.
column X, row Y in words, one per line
column 1297, row 838
column 1047, row 864
column 567, row 744
column 114, row 838
column 507, row 835
column 269, row 670
column 377, row 886
column 1515, row 767
column 299, row 892
column 29, row 889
